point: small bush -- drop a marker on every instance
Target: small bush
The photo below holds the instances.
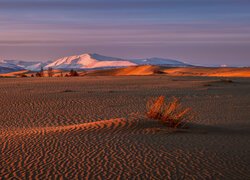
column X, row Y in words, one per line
column 226, row 80
column 73, row 73
column 207, row 85
column 50, row 72
column 38, row 74
column 171, row 114
column 67, row 90
column 23, row 75
column 159, row 72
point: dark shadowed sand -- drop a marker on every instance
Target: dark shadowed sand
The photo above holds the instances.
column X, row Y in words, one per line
column 94, row 127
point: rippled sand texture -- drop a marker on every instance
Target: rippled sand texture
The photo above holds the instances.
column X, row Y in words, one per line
column 93, row 127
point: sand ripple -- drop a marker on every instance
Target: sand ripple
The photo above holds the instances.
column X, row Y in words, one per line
column 46, row 133
column 108, row 149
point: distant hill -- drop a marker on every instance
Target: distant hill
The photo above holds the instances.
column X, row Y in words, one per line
column 28, row 65
column 128, row 71
column 93, row 61
column 8, row 67
column 87, row 61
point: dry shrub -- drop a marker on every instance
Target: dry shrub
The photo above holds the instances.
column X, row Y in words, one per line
column 171, row 114
column 23, row 75
column 226, row 80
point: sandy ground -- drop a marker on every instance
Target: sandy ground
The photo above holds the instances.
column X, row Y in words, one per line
column 212, row 72
column 14, row 74
column 94, row 127
column 174, row 71
column 145, row 70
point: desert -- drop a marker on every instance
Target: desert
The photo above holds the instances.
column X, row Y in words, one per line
column 95, row 127
column 124, row 89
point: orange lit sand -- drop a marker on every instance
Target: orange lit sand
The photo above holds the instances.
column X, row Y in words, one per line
column 14, row 74
column 94, row 128
column 219, row 72
column 175, row 71
column 150, row 70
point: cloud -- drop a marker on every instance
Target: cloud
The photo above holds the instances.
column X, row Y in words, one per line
column 30, row 42
column 145, row 26
column 114, row 4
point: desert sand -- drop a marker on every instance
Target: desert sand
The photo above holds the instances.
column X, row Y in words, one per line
column 212, row 72
column 13, row 74
column 94, row 127
column 145, row 70
column 174, row 71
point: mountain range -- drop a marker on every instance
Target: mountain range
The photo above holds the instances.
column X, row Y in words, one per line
column 85, row 61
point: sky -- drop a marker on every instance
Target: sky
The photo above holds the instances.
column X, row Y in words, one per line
column 201, row 32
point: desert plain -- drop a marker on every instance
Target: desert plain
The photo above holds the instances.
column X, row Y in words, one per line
column 94, row 127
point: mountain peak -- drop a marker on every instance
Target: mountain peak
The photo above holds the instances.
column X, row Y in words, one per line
column 91, row 61
column 88, row 61
column 102, row 57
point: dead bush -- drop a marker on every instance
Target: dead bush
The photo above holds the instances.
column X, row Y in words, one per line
column 171, row 114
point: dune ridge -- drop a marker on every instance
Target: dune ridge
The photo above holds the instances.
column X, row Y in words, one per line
column 144, row 70
column 14, row 74
column 127, row 71
column 115, row 123
column 209, row 72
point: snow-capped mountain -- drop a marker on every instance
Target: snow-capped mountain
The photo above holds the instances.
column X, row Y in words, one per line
column 8, row 67
column 90, row 61
column 158, row 61
column 32, row 66
column 85, row 61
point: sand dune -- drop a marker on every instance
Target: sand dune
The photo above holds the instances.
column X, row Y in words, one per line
column 212, row 72
column 176, row 71
column 14, row 74
column 144, row 70
column 55, row 128
column 139, row 70
column 128, row 71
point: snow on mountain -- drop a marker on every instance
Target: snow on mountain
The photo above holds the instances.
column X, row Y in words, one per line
column 85, row 61
column 8, row 67
column 36, row 67
column 32, row 66
column 158, row 61
column 89, row 61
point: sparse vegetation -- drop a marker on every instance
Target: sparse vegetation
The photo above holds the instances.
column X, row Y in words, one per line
column 38, row 74
column 67, row 90
column 73, row 73
column 41, row 73
column 226, row 80
column 159, row 72
column 171, row 114
column 50, row 72
column 207, row 85
column 23, row 75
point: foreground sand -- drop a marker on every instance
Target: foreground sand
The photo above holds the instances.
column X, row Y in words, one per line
column 93, row 127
